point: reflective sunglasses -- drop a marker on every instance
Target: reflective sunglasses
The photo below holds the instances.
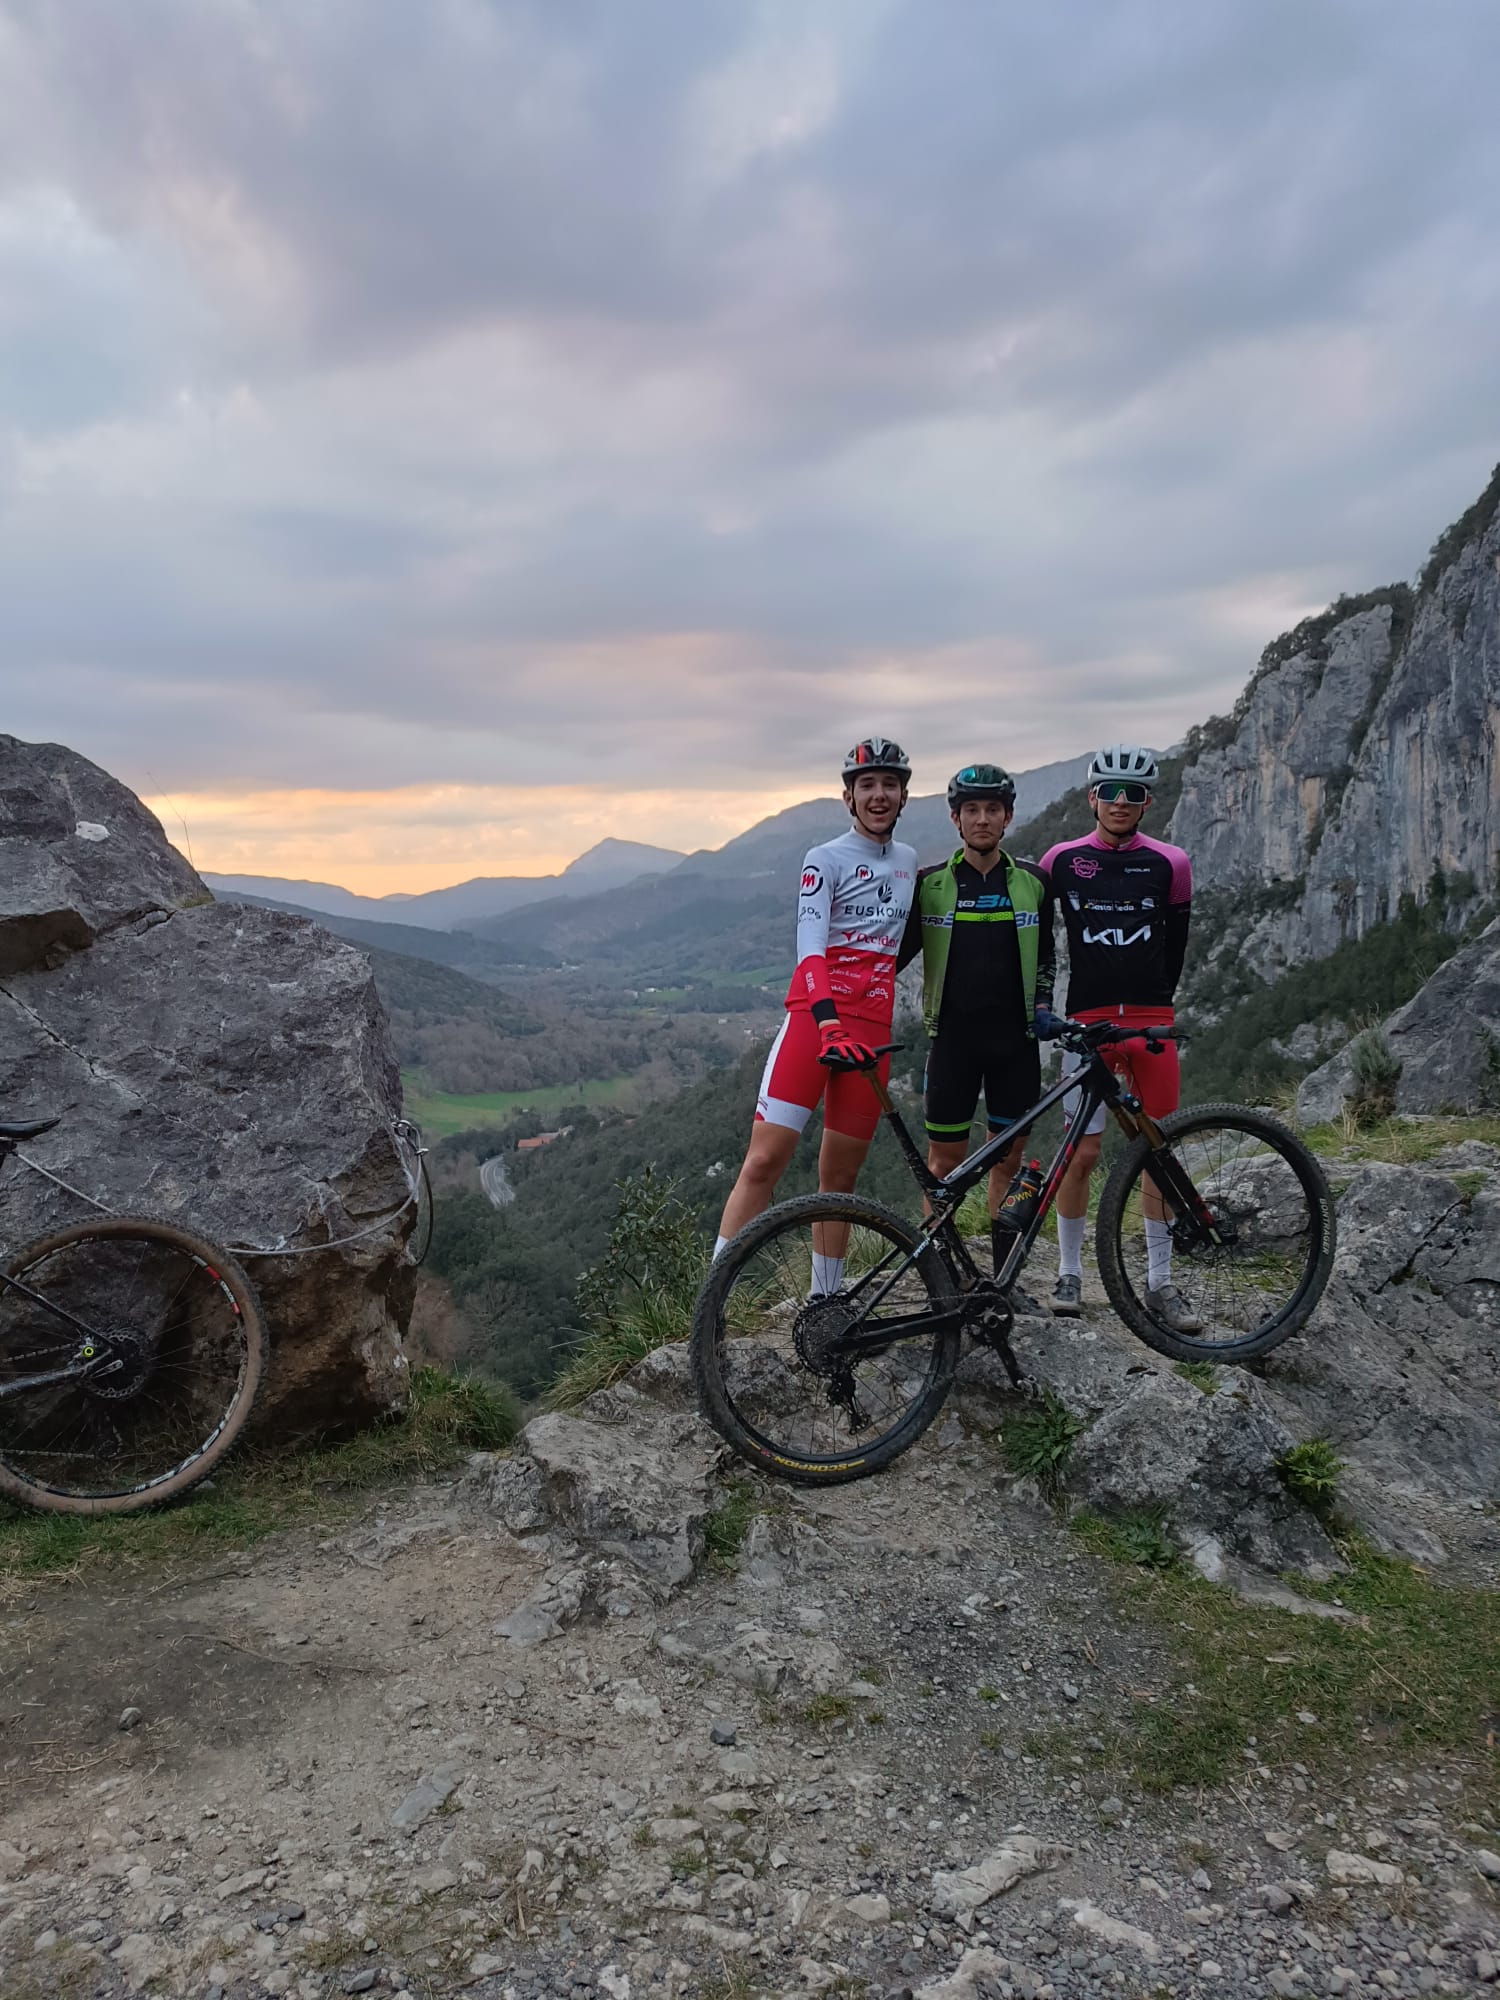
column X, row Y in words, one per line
column 1122, row 792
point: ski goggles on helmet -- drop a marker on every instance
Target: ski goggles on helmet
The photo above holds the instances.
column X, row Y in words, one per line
column 1121, row 792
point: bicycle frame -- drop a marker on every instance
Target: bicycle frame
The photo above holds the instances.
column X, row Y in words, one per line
column 1097, row 1085
column 90, row 1360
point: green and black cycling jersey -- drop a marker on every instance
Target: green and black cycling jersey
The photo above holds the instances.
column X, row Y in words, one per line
column 986, row 943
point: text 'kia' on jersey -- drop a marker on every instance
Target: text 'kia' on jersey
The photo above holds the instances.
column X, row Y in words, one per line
column 852, row 907
column 1127, row 911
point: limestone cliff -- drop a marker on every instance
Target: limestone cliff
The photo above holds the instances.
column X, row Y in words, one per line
column 1361, row 758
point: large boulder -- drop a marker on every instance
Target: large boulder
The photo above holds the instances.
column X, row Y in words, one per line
column 79, row 856
column 1446, row 1039
column 224, row 1065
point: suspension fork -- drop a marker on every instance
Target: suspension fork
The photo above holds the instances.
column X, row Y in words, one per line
column 1178, row 1194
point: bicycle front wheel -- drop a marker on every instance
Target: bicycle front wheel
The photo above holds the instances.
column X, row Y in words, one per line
column 774, row 1376
column 156, row 1337
column 1250, row 1224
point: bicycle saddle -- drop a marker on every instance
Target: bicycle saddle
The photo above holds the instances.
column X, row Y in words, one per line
column 26, row 1128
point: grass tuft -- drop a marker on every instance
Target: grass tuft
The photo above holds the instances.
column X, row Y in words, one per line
column 1403, row 1141
column 826, row 1708
column 1418, row 1669
column 1202, row 1374
column 1038, row 1440
column 725, row 1529
column 1141, row 1537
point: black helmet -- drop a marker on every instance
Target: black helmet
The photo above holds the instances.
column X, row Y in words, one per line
column 877, row 753
column 981, row 781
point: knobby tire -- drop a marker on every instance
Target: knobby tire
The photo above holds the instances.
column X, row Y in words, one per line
column 241, row 1311
column 1285, row 1315
column 794, row 1219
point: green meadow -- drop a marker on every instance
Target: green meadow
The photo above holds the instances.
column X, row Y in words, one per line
column 441, row 1113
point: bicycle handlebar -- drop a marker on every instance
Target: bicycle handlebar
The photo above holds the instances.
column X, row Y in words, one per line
column 1083, row 1037
column 862, row 1068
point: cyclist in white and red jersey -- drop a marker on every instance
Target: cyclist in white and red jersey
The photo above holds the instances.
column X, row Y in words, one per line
column 852, row 908
column 1126, row 903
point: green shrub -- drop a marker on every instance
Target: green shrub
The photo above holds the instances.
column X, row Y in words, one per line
column 1375, row 1071
column 1312, row 1470
column 641, row 1294
column 1038, row 1440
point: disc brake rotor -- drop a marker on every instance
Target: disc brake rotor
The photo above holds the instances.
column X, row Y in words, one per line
column 131, row 1352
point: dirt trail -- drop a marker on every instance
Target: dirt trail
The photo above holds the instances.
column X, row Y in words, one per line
column 343, row 1780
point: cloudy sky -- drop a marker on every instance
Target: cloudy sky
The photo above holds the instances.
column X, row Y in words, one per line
column 435, row 436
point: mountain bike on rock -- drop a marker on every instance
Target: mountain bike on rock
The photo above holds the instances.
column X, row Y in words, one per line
column 820, row 1388
column 130, row 1353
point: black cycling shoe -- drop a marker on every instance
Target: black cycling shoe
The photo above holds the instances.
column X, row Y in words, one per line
column 1067, row 1297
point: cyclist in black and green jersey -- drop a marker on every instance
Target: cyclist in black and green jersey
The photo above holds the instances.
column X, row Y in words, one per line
column 983, row 924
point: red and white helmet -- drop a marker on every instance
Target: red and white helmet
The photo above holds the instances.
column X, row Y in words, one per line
column 877, row 753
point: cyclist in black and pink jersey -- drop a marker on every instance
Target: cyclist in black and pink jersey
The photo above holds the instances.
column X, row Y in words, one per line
column 1126, row 902
column 852, row 907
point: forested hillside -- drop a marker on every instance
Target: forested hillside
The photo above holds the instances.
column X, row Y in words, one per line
column 512, row 1270
column 461, row 1035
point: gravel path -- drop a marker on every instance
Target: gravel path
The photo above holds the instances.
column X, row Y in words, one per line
column 869, row 1759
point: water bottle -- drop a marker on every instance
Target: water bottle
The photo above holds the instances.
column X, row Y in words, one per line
column 1021, row 1198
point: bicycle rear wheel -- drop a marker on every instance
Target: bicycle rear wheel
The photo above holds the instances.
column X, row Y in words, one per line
column 765, row 1352
column 1252, row 1232
column 177, row 1321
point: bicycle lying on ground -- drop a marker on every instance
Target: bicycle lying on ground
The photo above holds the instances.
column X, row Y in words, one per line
column 821, row 1388
column 130, row 1353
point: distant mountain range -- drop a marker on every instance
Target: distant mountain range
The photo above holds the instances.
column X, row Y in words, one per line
column 768, row 849
column 604, row 866
column 627, row 915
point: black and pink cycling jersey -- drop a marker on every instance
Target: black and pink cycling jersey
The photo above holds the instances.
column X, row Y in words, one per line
column 851, row 911
column 1127, row 911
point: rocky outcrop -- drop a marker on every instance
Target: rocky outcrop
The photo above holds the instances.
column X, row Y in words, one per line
column 1155, row 1441
column 79, row 856
column 1399, row 1369
column 624, row 1477
column 1446, row 1039
column 1362, row 757
column 1252, row 811
column 225, row 1065
column 1400, row 1365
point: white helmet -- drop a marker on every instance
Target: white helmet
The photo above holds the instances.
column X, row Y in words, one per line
column 1123, row 760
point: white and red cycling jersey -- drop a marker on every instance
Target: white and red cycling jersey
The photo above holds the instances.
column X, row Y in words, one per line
column 851, row 911
column 852, row 908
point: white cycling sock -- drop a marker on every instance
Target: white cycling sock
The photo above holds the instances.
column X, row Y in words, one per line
column 828, row 1273
column 1071, row 1230
column 1158, row 1255
column 719, row 1242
